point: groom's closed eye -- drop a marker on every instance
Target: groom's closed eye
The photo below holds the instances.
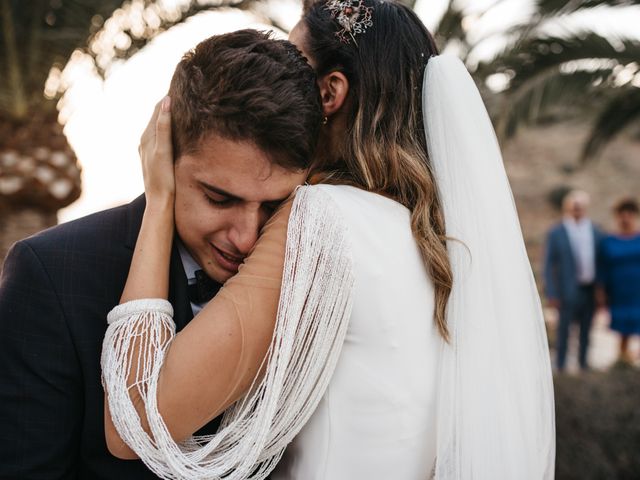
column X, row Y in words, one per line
column 224, row 201
column 218, row 197
column 221, row 198
column 218, row 200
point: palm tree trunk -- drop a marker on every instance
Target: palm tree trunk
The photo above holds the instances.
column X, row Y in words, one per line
column 19, row 107
column 35, row 37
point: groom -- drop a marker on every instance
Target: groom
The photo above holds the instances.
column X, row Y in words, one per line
column 257, row 97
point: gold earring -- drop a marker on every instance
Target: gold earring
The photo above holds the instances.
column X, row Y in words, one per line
column 325, row 120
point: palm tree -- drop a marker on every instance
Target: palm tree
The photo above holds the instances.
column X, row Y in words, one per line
column 39, row 173
column 38, row 170
column 549, row 70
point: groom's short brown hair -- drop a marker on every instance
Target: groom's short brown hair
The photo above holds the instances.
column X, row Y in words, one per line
column 246, row 86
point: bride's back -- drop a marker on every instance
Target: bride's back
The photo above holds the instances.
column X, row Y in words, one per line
column 377, row 417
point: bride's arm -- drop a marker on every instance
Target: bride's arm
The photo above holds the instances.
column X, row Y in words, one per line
column 213, row 361
column 149, row 270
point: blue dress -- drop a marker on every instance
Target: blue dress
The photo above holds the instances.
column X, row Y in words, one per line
column 619, row 272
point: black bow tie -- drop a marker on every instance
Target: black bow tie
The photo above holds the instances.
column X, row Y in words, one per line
column 204, row 289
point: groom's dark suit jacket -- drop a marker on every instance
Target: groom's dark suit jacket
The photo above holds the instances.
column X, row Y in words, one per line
column 55, row 292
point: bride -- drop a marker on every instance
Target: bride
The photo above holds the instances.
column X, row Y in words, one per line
column 408, row 340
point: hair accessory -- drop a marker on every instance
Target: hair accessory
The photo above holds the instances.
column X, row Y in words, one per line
column 352, row 15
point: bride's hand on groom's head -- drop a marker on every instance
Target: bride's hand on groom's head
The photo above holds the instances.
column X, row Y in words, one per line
column 156, row 155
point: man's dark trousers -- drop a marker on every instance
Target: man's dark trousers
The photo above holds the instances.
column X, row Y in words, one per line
column 56, row 289
column 580, row 310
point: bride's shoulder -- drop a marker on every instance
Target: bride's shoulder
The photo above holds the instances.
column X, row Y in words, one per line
column 323, row 203
column 348, row 197
column 335, row 191
column 336, row 199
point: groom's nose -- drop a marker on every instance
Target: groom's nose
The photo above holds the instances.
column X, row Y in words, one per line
column 245, row 228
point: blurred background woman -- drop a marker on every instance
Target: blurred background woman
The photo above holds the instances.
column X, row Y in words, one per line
column 620, row 273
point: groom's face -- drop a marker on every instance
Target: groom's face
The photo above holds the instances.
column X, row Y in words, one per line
column 225, row 192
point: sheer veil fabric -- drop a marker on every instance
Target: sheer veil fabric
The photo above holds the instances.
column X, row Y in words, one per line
column 495, row 406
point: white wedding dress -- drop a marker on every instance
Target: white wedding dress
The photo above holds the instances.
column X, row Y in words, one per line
column 377, row 419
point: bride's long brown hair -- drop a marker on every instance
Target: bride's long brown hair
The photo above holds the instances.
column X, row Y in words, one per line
column 384, row 149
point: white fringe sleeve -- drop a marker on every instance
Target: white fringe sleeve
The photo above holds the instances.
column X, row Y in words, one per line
column 312, row 320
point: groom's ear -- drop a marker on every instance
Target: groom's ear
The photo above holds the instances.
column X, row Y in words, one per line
column 334, row 88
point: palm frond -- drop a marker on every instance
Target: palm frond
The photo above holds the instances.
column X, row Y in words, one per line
column 141, row 22
column 449, row 27
column 618, row 114
column 554, row 93
column 547, row 8
column 49, row 32
column 540, row 55
column 551, row 10
column 46, row 33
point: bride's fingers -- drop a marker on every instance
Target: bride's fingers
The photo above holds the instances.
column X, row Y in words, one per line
column 156, row 154
column 163, row 130
column 149, row 134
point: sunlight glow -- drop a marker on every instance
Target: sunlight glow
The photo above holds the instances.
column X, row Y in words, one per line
column 104, row 120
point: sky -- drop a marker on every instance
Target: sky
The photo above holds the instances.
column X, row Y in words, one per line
column 104, row 119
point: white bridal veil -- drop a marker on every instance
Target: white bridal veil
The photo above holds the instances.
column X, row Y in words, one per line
column 496, row 409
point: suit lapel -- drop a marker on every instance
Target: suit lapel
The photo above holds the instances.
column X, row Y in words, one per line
column 178, row 292
column 566, row 241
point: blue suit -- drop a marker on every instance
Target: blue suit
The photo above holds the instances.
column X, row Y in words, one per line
column 577, row 302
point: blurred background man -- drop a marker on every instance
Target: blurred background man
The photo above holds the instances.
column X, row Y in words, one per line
column 570, row 273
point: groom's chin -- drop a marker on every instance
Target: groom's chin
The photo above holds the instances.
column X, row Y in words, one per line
column 216, row 272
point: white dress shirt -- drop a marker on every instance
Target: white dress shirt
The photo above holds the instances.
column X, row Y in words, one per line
column 583, row 247
column 190, row 266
